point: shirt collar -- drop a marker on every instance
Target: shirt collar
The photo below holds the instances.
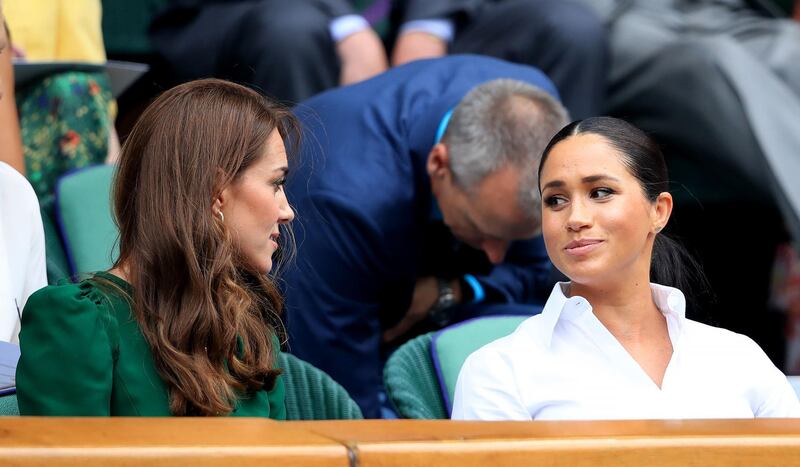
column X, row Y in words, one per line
column 669, row 300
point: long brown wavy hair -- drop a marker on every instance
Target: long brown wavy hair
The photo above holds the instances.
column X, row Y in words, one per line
column 209, row 322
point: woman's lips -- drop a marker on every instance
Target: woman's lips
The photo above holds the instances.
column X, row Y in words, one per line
column 582, row 247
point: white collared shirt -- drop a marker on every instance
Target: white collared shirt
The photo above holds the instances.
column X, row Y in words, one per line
column 565, row 365
column 22, row 258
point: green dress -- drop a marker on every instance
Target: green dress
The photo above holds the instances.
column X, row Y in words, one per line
column 84, row 354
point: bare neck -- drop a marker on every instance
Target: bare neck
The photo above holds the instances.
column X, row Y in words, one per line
column 627, row 310
column 121, row 272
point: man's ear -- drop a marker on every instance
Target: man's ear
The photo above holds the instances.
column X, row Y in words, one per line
column 662, row 209
column 439, row 161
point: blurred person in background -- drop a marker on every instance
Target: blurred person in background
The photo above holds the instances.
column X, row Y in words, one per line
column 66, row 118
column 22, row 253
column 293, row 50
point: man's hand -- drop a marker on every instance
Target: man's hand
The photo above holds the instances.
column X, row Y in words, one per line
column 426, row 294
column 416, row 45
column 362, row 56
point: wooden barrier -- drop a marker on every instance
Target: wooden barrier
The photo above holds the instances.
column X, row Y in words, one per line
column 596, row 444
column 373, row 443
column 238, row 442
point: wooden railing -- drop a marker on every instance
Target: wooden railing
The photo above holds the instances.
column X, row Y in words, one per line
column 242, row 442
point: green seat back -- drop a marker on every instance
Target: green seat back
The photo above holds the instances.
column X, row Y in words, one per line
column 56, row 259
column 83, row 209
column 452, row 345
column 411, row 383
column 8, row 405
column 310, row 394
column 313, row 395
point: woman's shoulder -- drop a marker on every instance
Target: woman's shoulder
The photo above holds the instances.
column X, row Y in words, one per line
column 727, row 344
column 94, row 295
column 16, row 189
column 525, row 340
column 702, row 331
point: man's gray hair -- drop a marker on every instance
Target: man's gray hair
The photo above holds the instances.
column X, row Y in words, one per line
column 502, row 122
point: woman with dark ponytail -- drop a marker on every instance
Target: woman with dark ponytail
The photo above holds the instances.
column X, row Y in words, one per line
column 614, row 342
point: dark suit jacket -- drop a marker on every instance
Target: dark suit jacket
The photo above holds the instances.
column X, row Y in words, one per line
column 406, row 10
column 364, row 204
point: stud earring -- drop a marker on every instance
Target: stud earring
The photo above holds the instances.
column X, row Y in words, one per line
column 221, row 216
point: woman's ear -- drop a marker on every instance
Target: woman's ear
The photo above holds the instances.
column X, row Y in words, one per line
column 662, row 209
column 222, row 194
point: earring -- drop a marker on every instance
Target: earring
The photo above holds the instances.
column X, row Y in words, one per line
column 658, row 229
column 221, row 216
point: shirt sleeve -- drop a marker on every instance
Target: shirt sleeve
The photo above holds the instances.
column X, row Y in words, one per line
column 36, row 274
column 773, row 395
column 441, row 28
column 486, row 390
column 66, row 366
column 346, row 25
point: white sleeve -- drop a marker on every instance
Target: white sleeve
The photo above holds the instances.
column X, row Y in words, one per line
column 441, row 28
column 487, row 390
column 36, row 273
column 775, row 397
column 781, row 402
column 344, row 26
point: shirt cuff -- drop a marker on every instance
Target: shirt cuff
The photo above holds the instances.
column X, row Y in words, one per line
column 346, row 25
column 477, row 289
column 441, row 28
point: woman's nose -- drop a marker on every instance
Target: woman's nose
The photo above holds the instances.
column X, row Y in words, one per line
column 579, row 216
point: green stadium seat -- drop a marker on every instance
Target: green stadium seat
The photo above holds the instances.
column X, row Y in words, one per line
column 310, row 394
column 451, row 346
column 420, row 376
column 8, row 405
column 83, row 211
column 411, row 382
column 313, row 395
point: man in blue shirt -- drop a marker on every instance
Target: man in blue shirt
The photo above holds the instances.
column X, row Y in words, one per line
column 416, row 202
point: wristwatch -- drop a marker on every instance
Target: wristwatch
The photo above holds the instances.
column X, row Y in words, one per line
column 441, row 313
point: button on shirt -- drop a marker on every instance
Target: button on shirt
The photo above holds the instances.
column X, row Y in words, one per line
column 565, row 365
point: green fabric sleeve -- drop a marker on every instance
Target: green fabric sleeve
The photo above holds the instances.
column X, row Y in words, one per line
column 67, row 362
column 277, row 397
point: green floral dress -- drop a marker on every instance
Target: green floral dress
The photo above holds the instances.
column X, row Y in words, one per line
column 65, row 121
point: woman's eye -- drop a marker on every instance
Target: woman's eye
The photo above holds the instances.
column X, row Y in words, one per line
column 554, row 201
column 600, row 193
column 278, row 184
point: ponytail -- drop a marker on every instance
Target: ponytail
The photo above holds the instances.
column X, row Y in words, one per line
column 672, row 265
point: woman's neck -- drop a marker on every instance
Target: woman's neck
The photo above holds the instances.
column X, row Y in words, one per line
column 120, row 271
column 627, row 310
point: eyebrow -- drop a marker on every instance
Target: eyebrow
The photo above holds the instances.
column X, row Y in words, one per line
column 587, row 179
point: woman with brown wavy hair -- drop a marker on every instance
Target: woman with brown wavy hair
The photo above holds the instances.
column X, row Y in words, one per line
column 186, row 322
